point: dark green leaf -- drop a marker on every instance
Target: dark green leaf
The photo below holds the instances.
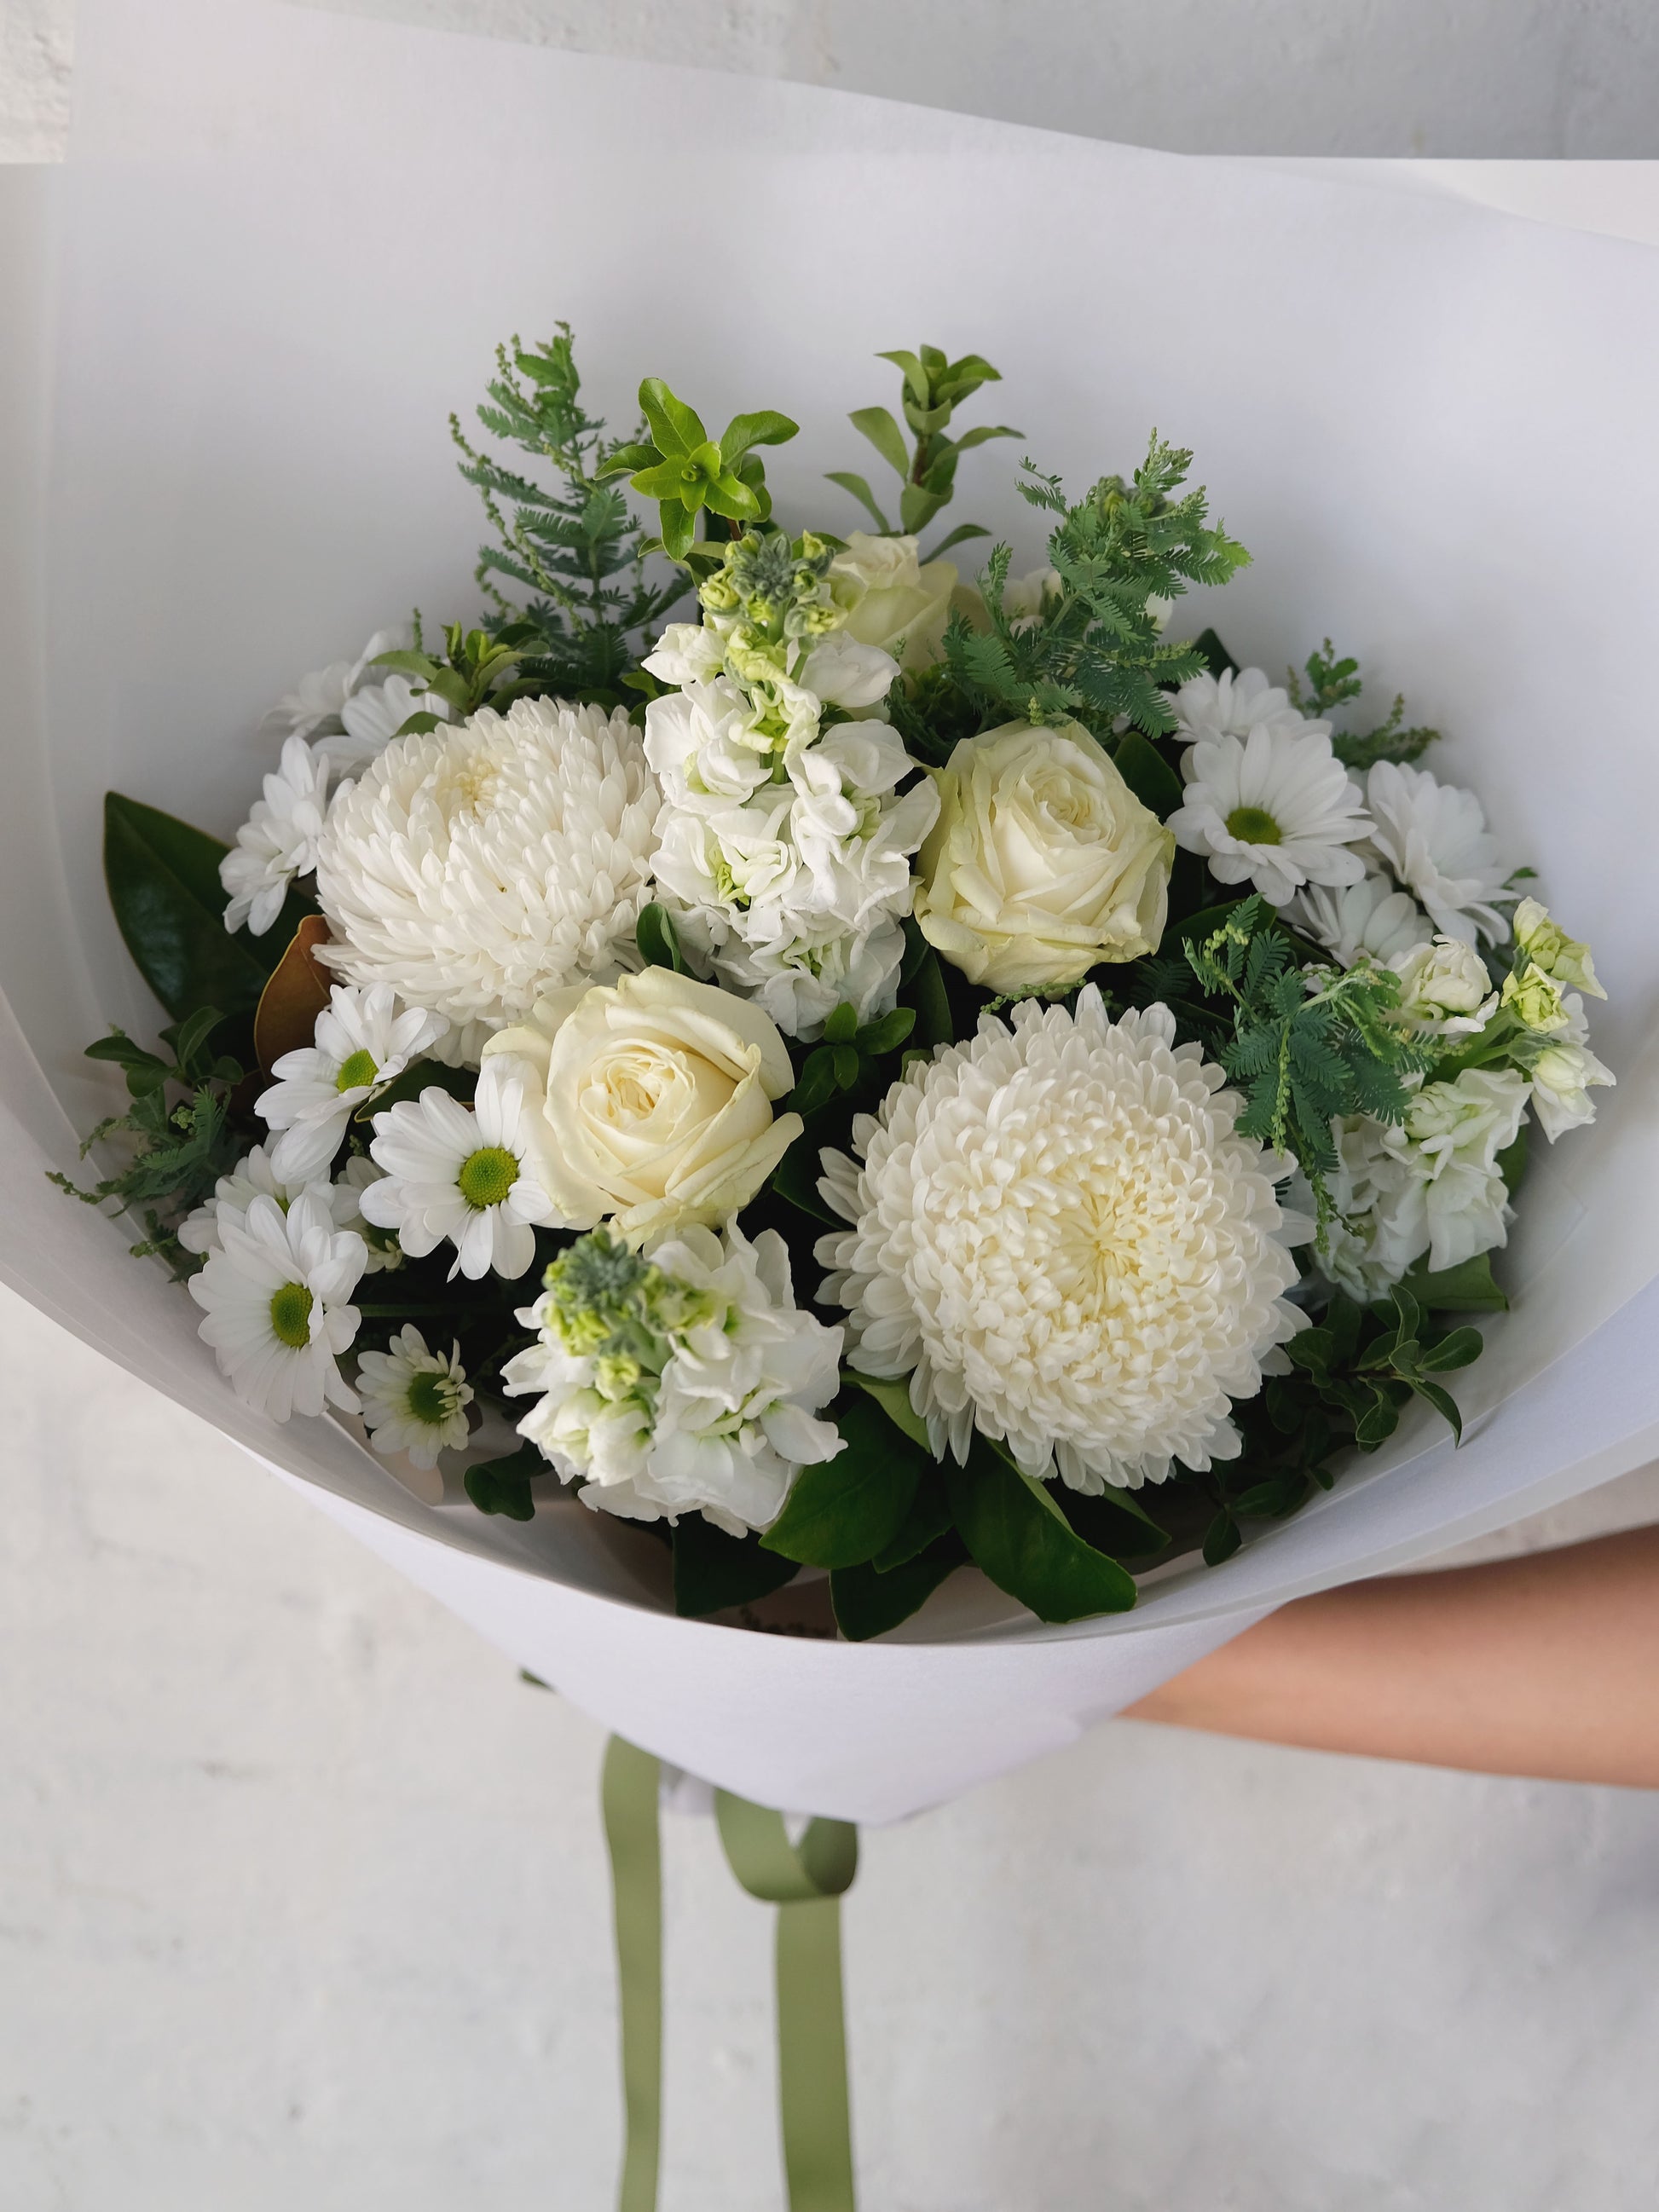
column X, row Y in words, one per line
column 1469, row 1288
column 1215, row 655
column 888, row 1034
column 1443, row 1403
column 1460, row 1348
column 502, row 1485
column 169, row 905
column 845, row 1509
column 925, row 991
column 892, row 1395
column 868, row 1603
column 815, row 1084
column 796, row 1178
column 713, row 1570
column 928, row 1518
column 424, row 1075
column 1148, row 775
column 1221, row 1538
column 840, row 1025
column 1019, row 1536
column 658, row 939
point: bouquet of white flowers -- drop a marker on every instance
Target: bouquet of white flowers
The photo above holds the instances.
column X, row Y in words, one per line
column 862, row 1070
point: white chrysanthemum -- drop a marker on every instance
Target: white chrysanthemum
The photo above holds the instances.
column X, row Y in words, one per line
column 685, row 1383
column 278, row 841
column 1060, row 1238
column 275, row 1296
column 362, row 1042
column 1367, row 919
column 1275, row 809
column 1233, row 704
column 1434, row 838
column 467, row 1174
column 476, row 869
column 256, row 1177
column 415, row 1401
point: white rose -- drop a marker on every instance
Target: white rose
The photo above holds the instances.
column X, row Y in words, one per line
column 657, row 1097
column 1445, row 987
column 890, row 599
column 1043, row 861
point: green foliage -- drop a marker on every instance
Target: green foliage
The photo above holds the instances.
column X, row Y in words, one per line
column 1370, row 1369
column 1332, row 684
column 688, row 472
column 169, row 905
column 842, row 1062
column 474, row 668
column 934, row 387
column 175, row 1131
column 572, row 544
column 1303, row 1056
column 868, row 1603
column 1096, row 653
column 502, row 1485
column 1017, row 1535
column 713, row 1570
column 846, row 1509
column 658, row 939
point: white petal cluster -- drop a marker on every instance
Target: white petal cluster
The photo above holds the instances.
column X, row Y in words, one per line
column 686, row 1383
column 1233, row 704
column 279, row 840
column 275, row 1294
column 1058, row 1237
column 415, row 1399
column 1275, row 809
column 316, row 706
column 1367, row 920
column 471, row 1175
column 474, row 869
column 1433, row 838
column 1444, row 988
column 1565, row 1073
column 256, row 1177
column 361, row 1042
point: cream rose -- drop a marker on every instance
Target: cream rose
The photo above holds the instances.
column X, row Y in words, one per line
column 1043, row 861
column 657, row 1094
column 890, row 598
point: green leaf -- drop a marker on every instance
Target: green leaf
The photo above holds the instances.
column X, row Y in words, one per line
column 796, row 1178
column 876, row 424
column 892, row 1395
column 887, row 1033
column 840, row 1025
column 658, row 939
column 1148, row 775
column 983, row 431
column 928, row 1520
column 1019, row 1536
column 502, row 1485
column 845, row 1509
column 962, row 531
column 918, row 506
column 424, row 1075
column 1215, row 655
column 868, row 1603
column 1443, row 1403
column 1196, row 928
column 916, row 376
column 1221, row 1538
column 677, row 428
column 765, row 428
column 169, row 905
column 713, row 1570
column 861, row 491
column 815, row 1084
column 1468, row 1288
column 925, row 991
column 1460, row 1347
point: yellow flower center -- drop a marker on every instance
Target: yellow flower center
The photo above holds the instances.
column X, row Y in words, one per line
column 360, row 1069
column 487, row 1176
column 1254, row 825
column 291, row 1315
column 431, row 1398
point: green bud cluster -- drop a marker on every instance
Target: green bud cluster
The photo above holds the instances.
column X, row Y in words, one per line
column 607, row 1304
column 773, row 589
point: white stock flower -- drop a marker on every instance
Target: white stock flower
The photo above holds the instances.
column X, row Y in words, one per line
column 1563, row 958
column 687, row 652
column 415, row 1401
column 1444, row 988
column 362, row 1043
column 1565, row 1073
column 1380, row 1227
column 652, row 1101
column 1022, row 597
column 707, row 744
column 1433, row 837
column 476, row 1175
column 1232, row 705
column 1353, row 921
column 799, row 984
column 1042, row 863
column 1275, row 809
column 1060, row 1238
column 279, row 840
column 475, row 868
column 843, row 672
column 1452, row 1136
column 685, row 1383
column 276, row 1297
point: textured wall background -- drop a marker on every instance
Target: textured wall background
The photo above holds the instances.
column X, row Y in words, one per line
column 302, row 1897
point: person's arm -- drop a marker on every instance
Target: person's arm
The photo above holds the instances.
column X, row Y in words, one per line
column 1546, row 1666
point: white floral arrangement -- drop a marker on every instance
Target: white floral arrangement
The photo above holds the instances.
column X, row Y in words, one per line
column 861, row 1069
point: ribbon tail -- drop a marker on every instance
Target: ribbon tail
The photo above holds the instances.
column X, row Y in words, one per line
column 632, row 1831
column 813, row 2099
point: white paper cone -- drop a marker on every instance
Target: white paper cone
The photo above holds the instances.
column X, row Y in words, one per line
column 290, row 245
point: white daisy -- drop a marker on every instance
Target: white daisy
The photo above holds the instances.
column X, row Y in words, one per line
column 373, row 716
column 1233, row 704
column 415, row 1401
column 1368, row 918
column 278, row 841
column 317, row 701
column 1434, row 838
column 467, row 1174
column 1275, row 809
column 255, row 1176
column 345, row 1194
column 276, row 1295
column 477, row 868
column 363, row 1043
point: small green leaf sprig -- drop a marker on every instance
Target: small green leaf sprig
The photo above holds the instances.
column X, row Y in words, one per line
column 1333, row 684
column 180, row 1145
column 934, row 387
column 1096, row 654
column 689, row 473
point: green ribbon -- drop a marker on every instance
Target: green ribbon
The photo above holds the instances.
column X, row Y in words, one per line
column 805, row 1881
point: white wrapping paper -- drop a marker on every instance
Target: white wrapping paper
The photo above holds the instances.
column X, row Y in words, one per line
column 290, row 243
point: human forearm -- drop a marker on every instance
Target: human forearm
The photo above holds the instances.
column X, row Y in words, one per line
column 1544, row 1666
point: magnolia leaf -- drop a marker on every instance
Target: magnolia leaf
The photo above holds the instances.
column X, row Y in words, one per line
column 1019, row 1536
column 296, row 994
column 868, row 1603
column 1468, row 1288
column 928, row 1520
column 844, row 1510
column 1149, row 775
column 713, row 1570
column 892, row 1395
